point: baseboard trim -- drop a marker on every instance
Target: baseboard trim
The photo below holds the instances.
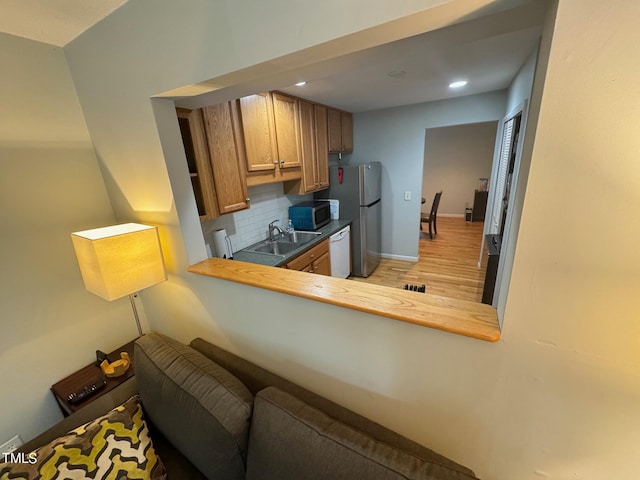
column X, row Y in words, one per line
column 452, row 215
column 406, row 258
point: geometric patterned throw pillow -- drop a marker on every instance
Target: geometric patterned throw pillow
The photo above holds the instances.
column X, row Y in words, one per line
column 115, row 446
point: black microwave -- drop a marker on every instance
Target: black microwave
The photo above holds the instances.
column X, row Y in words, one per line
column 310, row 215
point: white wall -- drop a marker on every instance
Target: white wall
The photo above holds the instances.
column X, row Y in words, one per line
column 50, row 186
column 557, row 397
column 455, row 158
column 396, row 137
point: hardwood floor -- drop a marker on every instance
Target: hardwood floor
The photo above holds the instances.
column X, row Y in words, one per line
column 447, row 264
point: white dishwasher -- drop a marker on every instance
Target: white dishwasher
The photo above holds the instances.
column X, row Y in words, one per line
column 340, row 252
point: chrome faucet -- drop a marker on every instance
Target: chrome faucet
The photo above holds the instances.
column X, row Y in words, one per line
column 273, row 228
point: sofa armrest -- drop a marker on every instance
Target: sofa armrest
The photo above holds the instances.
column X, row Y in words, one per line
column 98, row 407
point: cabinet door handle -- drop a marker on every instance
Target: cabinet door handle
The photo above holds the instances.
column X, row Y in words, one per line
column 248, row 200
column 312, row 256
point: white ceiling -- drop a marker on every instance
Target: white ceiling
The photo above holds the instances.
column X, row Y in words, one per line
column 486, row 51
column 55, row 22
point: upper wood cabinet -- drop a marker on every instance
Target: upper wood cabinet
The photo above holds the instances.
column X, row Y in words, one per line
column 226, row 151
column 257, row 139
column 314, row 149
column 346, row 124
column 322, row 145
column 256, row 113
column 270, row 138
column 340, row 125
column 198, row 162
column 285, row 116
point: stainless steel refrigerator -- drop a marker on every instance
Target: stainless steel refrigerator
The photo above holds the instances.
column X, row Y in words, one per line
column 357, row 187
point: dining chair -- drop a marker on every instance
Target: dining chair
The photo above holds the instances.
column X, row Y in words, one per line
column 432, row 217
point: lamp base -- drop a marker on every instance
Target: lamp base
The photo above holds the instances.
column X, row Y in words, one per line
column 135, row 313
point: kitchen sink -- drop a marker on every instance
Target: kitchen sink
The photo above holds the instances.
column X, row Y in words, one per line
column 273, row 248
column 278, row 248
column 299, row 237
column 287, row 242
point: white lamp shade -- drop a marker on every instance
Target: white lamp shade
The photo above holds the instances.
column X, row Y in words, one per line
column 119, row 260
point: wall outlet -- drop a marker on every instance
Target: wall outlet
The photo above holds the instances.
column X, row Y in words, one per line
column 10, row 445
column 407, row 196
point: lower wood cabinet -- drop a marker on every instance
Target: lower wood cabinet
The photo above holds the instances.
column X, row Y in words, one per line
column 314, row 260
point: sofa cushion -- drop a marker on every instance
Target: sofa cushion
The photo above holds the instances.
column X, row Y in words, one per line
column 115, row 446
column 199, row 407
column 291, row 440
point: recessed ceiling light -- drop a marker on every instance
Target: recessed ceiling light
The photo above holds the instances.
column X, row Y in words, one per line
column 301, row 84
column 458, row 84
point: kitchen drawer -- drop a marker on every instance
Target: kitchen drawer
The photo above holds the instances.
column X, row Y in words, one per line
column 312, row 259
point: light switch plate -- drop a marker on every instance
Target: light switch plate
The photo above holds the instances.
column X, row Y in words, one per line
column 407, row 196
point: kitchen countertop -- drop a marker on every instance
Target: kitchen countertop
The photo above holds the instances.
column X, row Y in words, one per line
column 461, row 317
column 276, row 260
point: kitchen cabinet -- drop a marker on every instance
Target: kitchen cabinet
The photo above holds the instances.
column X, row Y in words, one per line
column 340, row 130
column 226, row 151
column 198, row 162
column 314, row 149
column 270, row 138
column 256, row 113
column 322, row 145
column 285, row 116
column 314, row 260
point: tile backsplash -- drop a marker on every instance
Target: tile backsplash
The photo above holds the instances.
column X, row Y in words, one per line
column 268, row 203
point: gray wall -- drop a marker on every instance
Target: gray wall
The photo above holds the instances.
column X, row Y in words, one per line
column 455, row 158
column 396, row 137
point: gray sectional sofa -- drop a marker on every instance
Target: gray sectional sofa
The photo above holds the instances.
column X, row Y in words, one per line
column 212, row 414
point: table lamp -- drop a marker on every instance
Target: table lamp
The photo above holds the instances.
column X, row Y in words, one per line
column 120, row 260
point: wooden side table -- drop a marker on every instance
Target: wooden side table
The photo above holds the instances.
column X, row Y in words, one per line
column 87, row 375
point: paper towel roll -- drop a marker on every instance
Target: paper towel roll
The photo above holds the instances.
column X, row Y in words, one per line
column 222, row 244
